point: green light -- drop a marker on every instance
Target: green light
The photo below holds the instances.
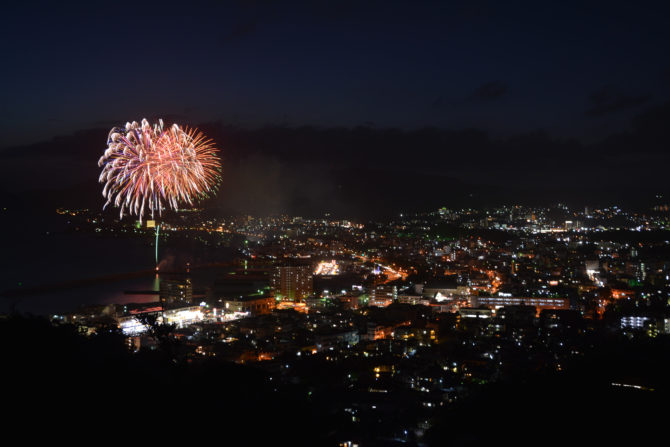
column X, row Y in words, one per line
column 157, row 231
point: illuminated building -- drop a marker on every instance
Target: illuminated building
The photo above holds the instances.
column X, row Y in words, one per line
column 413, row 298
column 443, row 289
column 332, row 338
column 316, row 303
column 652, row 324
column 292, row 283
column 592, row 269
column 540, row 303
column 383, row 295
column 618, row 294
column 479, row 312
column 254, row 305
column 560, row 319
column 180, row 316
column 176, row 293
column 572, row 224
column 349, row 302
column 635, row 322
column 377, row 331
column 183, row 316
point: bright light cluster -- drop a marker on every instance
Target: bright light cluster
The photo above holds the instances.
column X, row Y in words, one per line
column 327, row 268
column 180, row 317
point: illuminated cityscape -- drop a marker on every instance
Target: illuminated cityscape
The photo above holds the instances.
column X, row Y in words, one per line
column 422, row 310
column 351, row 224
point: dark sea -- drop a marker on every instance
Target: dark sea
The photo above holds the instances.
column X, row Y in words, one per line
column 48, row 267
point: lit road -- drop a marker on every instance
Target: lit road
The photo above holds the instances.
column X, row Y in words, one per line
column 391, row 273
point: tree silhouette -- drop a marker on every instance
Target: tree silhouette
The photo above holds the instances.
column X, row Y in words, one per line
column 162, row 333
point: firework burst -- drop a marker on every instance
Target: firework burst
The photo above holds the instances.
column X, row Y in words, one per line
column 149, row 168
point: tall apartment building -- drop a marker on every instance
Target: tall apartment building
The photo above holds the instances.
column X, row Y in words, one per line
column 176, row 293
column 292, row 283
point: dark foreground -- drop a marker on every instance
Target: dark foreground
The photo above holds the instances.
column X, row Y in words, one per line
column 62, row 385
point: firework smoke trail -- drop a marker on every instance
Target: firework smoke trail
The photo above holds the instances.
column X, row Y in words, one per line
column 151, row 168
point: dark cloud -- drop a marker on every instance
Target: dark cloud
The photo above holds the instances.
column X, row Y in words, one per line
column 610, row 99
column 649, row 135
column 489, row 91
column 366, row 171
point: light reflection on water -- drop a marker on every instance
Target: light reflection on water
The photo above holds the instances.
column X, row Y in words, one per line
column 33, row 259
column 62, row 301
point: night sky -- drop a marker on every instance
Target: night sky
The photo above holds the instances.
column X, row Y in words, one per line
column 437, row 100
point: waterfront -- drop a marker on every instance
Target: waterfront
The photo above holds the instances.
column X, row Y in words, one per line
column 38, row 278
